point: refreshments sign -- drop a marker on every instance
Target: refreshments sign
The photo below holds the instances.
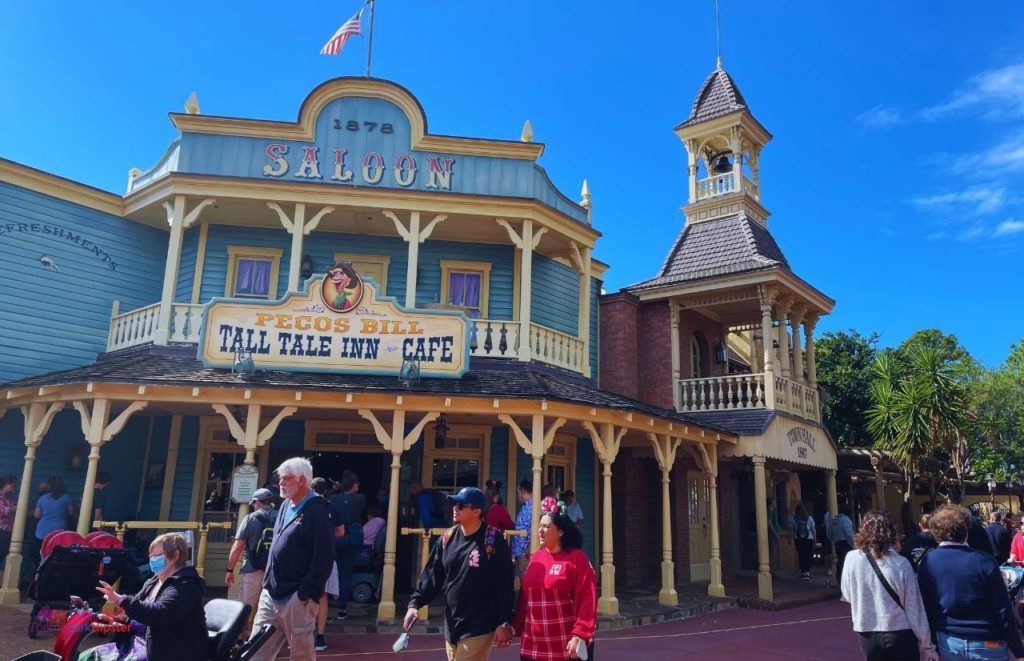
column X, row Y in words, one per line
column 338, row 324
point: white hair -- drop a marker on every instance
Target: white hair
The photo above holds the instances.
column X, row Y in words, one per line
column 297, row 466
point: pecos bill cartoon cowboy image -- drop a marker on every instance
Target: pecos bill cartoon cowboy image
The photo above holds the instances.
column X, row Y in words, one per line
column 342, row 288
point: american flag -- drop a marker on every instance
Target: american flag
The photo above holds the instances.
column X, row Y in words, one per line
column 351, row 27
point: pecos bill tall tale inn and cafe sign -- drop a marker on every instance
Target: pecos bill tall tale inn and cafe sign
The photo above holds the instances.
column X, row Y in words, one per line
column 337, row 324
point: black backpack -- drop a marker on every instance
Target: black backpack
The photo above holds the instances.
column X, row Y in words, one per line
column 801, row 529
column 259, row 552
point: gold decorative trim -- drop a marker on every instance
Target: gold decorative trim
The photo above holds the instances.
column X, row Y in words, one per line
column 53, row 185
column 314, row 103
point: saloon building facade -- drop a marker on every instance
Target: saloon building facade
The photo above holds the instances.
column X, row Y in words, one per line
column 410, row 306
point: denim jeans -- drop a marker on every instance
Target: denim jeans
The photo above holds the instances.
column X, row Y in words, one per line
column 952, row 648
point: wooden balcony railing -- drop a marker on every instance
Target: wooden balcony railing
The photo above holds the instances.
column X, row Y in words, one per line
column 557, row 348
column 748, row 391
column 140, row 326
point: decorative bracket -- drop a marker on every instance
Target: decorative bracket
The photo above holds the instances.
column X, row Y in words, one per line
column 397, row 440
column 192, row 216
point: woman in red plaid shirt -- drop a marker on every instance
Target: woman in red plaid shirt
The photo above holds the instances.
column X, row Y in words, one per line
column 557, row 610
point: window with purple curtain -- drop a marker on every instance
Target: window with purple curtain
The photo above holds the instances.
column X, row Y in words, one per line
column 252, row 278
column 464, row 290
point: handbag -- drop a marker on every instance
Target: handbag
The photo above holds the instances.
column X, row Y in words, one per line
column 885, row 583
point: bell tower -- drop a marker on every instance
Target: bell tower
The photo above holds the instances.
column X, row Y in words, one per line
column 723, row 143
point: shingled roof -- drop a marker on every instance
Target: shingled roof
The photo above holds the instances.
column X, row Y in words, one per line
column 178, row 366
column 718, row 96
column 733, row 244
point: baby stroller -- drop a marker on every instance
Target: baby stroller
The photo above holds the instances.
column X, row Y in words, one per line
column 74, row 565
column 1013, row 579
column 367, row 567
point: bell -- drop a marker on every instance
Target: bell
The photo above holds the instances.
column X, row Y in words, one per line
column 723, row 166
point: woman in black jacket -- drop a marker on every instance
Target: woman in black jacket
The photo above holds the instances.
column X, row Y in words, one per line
column 170, row 603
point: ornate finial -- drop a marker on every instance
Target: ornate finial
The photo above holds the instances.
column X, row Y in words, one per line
column 132, row 174
column 585, row 192
column 527, row 135
column 718, row 63
column 192, row 104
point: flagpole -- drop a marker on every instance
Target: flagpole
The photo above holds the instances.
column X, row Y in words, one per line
column 369, row 45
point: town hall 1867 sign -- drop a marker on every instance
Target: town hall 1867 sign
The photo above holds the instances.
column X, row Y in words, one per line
column 338, row 324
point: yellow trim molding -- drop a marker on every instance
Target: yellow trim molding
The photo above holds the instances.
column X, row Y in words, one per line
column 245, row 252
column 303, row 128
column 483, row 269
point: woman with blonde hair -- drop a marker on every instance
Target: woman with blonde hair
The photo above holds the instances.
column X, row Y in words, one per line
column 885, row 602
column 170, row 603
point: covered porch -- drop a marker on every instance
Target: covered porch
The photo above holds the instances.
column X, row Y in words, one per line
column 213, row 417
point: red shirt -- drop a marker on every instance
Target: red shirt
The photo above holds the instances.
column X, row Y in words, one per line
column 498, row 517
column 558, row 600
column 1017, row 547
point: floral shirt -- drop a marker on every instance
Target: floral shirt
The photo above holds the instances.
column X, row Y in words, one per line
column 521, row 545
column 558, row 600
column 7, row 508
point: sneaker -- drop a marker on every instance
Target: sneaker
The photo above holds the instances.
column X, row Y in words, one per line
column 320, row 645
column 342, row 616
column 806, row 577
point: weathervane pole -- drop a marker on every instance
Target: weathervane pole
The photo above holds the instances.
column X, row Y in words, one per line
column 369, row 45
column 718, row 36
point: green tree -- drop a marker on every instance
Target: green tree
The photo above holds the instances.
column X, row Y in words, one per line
column 844, row 362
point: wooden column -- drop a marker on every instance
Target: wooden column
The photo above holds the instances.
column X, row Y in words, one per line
column 677, row 367
column 97, row 432
column 812, row 371
column 580, row 258
column 606, row 442
column 833, row 511
column 536, row 445
column 37, row 420
column 299, row 228
column 414, row 236
column 710, row 460
column 767, row 297
column 526, row 240
column 250, row 437
column 173, row 441
column 665, row 452
column 796, row 316
column 179, row 222
column 783, row 355
column 395, row 442
column 764, row 576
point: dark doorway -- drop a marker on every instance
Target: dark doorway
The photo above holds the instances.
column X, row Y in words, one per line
column 369, row 467
column 747, row 520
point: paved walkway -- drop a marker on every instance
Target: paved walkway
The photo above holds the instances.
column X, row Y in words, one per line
column 814, row 632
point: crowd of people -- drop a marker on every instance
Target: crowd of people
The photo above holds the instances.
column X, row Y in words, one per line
column 938, row 594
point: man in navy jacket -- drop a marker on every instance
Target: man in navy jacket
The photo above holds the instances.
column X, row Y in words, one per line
column 964, row 595
column 300, row 560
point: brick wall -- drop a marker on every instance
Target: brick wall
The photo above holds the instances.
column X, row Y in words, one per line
column 690, row 323
column 655, row 354
column 636, row 512
column 619, row 344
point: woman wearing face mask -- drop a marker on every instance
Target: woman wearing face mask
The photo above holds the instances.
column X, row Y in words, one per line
column 8, row 506
column 170, row 603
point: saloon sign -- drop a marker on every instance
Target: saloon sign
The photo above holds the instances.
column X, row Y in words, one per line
column 337, row 325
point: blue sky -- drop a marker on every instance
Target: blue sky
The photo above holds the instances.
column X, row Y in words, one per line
column 895, row 179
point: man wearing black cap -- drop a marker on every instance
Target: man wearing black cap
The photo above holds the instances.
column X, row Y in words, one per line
column 251, row 532
column 473, row 565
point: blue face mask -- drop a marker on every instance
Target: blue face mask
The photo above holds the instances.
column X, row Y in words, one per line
column 157, row 563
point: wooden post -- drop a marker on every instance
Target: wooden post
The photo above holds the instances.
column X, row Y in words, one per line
column 665, row 448
column 764, row 577
column 767, row 296
column 833, row 511
column 606, row 443
column 526, row 240
column 677, row 368
column 715, row 586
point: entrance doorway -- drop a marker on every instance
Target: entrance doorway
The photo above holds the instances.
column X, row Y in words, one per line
column 372, row 468
column 699, row 504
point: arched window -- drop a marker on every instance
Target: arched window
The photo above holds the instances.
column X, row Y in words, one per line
column 696, row 358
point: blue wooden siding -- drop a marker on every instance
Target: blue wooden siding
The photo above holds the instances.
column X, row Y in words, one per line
column 595, row 294
column 184, row 474
column 322, row 246
column 428, row 287
column 498, row 470
column 150, row 510
column 555, row 295
column 289, row 436
column 586, row 495
column 187, row 265
column 59, row 319
column 216, row 261
column 236, row 156
column 121, row 457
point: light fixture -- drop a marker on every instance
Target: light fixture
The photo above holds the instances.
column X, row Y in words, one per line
column 410, row 372
column 440, row 432
column 721, row 353
column 775, row 344
column 306, row 269
column 243, row 364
